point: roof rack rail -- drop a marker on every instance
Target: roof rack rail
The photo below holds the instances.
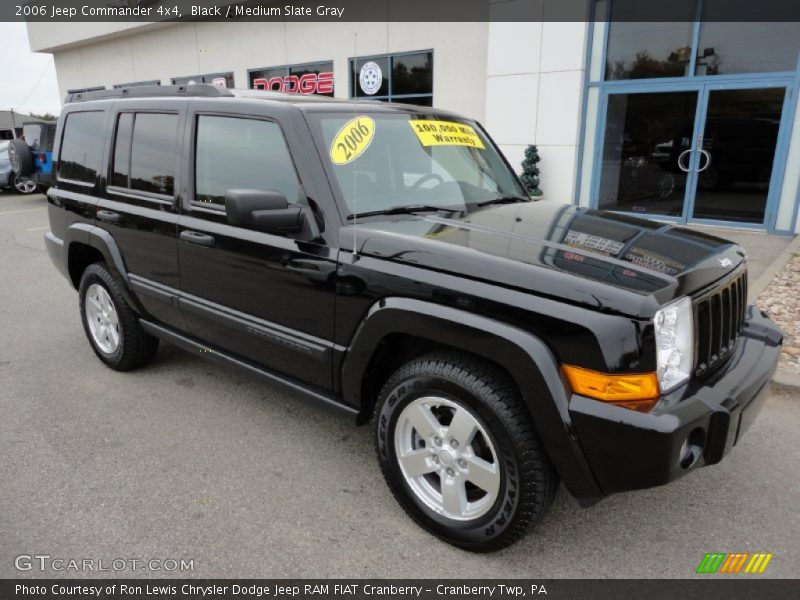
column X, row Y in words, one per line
column 151, row 91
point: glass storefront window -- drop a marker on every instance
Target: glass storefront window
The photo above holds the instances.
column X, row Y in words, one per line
column 406, row 78
column 412, row 74
column 357, row 91
column 309, row 78
column 218, row 79
column 729, row 48
column 641, row 50
column 645, row 50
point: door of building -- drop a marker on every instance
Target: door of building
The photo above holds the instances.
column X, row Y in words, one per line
column 701, row 153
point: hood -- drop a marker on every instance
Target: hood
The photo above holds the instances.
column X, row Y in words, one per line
column 602, row 259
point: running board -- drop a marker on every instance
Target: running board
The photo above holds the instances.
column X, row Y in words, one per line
column 314, row 396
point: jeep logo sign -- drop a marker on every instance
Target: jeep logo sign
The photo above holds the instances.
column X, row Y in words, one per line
column 310, row 83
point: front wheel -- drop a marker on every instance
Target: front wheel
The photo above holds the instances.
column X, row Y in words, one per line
column 457, row 449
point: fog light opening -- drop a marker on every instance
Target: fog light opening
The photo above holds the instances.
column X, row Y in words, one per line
column 692, row 448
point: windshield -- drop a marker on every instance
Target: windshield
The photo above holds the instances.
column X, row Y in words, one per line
column 386, row 161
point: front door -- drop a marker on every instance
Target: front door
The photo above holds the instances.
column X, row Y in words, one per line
column 265, row 298
column 704, row 153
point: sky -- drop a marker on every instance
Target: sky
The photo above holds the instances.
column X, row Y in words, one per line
column 27, row 79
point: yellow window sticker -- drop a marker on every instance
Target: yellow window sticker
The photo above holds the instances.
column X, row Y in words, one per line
column 445, row 133
column 353, row 138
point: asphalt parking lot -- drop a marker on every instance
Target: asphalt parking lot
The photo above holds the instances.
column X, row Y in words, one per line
column 187, row 459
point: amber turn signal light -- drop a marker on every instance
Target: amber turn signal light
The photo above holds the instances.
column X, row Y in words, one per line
column 637, row 391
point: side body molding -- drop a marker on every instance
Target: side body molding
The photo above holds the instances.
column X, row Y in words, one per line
column 527, row 359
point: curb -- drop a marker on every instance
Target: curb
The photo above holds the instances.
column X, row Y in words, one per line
column 760, row 284
column 786, row 379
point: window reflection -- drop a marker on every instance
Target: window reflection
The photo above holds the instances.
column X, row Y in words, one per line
column 645, row 50
column 244, row 154
column 726, row 48
column 645, row 138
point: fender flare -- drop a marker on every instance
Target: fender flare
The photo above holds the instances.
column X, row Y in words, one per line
column 101, row 240
column 527, row 359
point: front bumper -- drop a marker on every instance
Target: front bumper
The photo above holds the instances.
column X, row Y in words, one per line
column 627, row 450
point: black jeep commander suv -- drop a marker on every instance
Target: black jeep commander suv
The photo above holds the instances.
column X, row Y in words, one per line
column 384, row 261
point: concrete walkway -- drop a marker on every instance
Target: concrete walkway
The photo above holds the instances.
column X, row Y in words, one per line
column 762, row 249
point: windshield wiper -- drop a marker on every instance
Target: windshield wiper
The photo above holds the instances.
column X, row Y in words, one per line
column 504, row 200
column 400, row 210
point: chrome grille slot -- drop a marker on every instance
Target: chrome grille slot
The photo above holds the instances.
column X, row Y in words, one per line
column 718, row 320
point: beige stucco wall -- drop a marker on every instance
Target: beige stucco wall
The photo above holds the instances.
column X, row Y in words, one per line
column 120, row 55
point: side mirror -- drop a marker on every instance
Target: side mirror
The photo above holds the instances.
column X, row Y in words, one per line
column 263, row 210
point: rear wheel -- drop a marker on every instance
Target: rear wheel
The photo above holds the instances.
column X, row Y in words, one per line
column 111, row 326
column 24, row 186
column 458, row 450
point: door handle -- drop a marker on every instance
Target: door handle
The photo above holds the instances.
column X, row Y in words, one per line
column 707, row 154
column 106, row 216
column 197, row 238
column 680, row 158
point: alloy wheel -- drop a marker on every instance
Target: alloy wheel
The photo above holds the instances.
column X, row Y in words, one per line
column 447, row 458
column 24, row 186
column 102, row 317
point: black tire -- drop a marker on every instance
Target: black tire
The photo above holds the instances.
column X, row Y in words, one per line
column 19, row 184
column 136, row 348
column 20, row 157
column 528, row 480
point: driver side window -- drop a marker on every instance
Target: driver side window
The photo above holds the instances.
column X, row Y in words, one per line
column 241, row 153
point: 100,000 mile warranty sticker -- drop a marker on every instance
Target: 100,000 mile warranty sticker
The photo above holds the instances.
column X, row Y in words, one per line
column 445, row 133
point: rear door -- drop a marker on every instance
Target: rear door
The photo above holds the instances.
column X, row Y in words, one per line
column 266, row 298
column 138, row 204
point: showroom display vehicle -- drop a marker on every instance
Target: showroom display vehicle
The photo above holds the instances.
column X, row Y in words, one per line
column 384, row 261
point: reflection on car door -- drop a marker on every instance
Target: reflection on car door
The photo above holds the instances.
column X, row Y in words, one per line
column 266, row 298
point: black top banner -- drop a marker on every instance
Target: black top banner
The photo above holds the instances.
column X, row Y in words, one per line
column 400, row 10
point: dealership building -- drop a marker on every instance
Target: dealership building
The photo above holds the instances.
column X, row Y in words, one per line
column 689, row 122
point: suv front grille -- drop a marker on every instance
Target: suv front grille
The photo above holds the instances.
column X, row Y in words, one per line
column 718, row 321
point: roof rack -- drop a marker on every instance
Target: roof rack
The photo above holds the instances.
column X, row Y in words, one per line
column 151, row 91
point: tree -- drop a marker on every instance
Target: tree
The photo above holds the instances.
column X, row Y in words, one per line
column 45, row 116
column 530, row 172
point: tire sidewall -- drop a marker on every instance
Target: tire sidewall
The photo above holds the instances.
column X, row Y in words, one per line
column 96, row 274
column 20, row 157
column 477, row 531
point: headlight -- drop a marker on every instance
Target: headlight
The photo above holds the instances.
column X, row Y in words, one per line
column 674, row 326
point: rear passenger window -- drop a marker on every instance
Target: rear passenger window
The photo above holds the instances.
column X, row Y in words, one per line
column 239, row 153
column 144, row 152
column 81, row 146
column 122, row 151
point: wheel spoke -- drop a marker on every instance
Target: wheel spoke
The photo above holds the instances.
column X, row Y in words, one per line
column 454, row 496
column 114, row 335
column 105, row 300
column 483, row 474
column 417, row 462
column 93, row 300
column 462, row 428
column 424, row 422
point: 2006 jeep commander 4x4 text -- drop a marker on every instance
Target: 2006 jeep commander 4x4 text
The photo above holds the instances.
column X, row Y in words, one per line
column 384, row 261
